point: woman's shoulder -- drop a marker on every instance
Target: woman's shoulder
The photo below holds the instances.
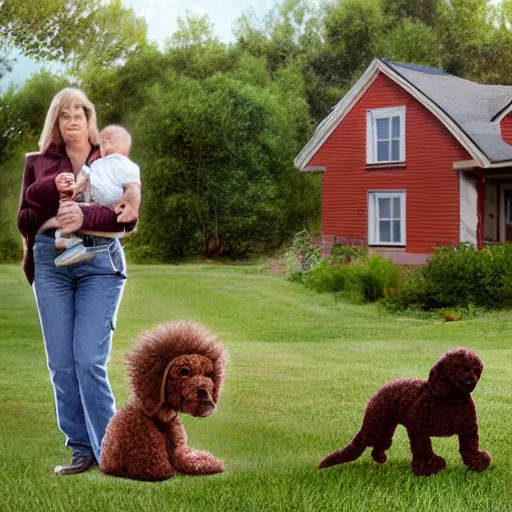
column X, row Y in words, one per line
column 54, row 151
column 32, row 155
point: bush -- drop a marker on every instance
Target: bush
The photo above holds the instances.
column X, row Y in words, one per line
column 325, row 277
column 458, row 277
column 302, row 256
column 410, row 292
column 328, row 275
column 362, row 281
column 342, row 254
column 382, row 276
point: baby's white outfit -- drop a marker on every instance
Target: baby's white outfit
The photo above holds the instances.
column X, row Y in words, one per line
column 109, row 175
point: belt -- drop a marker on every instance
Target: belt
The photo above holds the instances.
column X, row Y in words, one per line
column 95, row 241
column 49, row 232
column 89, row 240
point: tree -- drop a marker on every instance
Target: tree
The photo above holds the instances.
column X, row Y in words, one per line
column 118, row 92
column 290, row 30
column 352, row 29
column 464, row 28
column 217, row 155
column 412, row 42
column 422, row 11
column 195, row 51
column 71, row 31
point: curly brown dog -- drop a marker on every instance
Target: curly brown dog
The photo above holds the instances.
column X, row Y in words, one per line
column 440, row 406
column 174, row 368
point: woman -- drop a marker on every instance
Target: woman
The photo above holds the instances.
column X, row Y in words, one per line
column 77, row 304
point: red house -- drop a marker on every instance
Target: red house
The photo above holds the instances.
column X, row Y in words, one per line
column 414, row 158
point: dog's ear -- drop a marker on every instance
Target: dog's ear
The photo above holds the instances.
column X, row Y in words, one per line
column 149, row 383
column 437, row 380
column 164, row 412
column 152, row 404
column 219, row 366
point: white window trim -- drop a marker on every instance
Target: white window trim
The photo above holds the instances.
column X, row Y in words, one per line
column 371, row 132
column 373, row 221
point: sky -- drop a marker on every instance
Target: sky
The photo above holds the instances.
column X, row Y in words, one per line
column 161, row 17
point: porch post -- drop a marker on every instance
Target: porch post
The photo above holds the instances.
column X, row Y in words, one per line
column 480, row 208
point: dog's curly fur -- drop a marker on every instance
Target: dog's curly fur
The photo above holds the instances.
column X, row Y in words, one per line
column 439, row 406
column 177, row 367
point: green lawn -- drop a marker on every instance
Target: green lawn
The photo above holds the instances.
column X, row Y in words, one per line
column 302, row 368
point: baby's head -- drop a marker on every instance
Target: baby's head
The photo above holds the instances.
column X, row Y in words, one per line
column 115, row 139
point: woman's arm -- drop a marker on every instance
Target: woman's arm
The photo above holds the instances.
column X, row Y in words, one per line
column 75, row 216
column 43, row 192
column 35, row 208
column 127, row 208
column 101, row 218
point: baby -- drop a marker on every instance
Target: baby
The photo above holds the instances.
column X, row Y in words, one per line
column 114, row 182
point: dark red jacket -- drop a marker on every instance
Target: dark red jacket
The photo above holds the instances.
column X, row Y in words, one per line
column 40, row 200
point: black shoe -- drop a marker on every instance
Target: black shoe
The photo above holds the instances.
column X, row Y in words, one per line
column 79, row 464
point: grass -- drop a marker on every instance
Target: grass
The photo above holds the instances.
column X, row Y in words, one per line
column 302, row 368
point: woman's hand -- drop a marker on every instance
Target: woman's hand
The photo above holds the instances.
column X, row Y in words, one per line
column 65, row 183
column 70, row 217
column 50, row 223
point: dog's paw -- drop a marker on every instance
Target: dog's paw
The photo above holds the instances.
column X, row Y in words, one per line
column 427, row 467
column 379, row 456
column 196, row 462
column 207, row 464
column 479, row 461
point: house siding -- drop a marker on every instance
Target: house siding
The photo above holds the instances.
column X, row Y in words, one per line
column 431, row 184
column 506, row 128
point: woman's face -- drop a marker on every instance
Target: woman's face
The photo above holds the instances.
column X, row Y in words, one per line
column 73, row 124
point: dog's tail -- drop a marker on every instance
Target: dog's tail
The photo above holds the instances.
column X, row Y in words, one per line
column 352, row 451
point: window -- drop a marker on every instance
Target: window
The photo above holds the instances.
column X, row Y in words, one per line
column 386, row 218
column 385, row 135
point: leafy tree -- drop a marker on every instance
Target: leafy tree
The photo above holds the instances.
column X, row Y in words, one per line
column 423, row 11
column 71, row 31
column 291, row 29
column 195, row 51
column 118, row 92
column 413, row 42
column 497, row 47
column 464, row 28
column 352, row 29
column 217, row 162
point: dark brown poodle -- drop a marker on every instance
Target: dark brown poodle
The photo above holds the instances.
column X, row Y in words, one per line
column 174, row 368
column 440, row 406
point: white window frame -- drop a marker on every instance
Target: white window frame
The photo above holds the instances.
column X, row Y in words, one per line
column 371, row 133
column 373, row 218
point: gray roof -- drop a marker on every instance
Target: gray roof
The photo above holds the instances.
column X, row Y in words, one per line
column 472, row 106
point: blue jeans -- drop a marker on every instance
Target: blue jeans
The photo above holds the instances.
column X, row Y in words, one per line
column 77, row 308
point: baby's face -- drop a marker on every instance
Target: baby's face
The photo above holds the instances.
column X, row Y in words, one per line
column 112, row 142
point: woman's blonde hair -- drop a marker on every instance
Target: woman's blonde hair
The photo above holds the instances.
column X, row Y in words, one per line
column 64, row 98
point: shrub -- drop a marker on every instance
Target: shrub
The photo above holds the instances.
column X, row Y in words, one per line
column 458, row 277
column 382, row 276
column 360, row 281
column 342, row 254
column 325, row 277
column 302, row 256
column 410, row 292
column 328, row 275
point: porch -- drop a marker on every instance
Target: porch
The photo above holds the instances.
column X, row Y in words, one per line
column 497, row 208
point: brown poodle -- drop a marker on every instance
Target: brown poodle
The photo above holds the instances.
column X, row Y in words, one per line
column 177, row 367
column 440, row 406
